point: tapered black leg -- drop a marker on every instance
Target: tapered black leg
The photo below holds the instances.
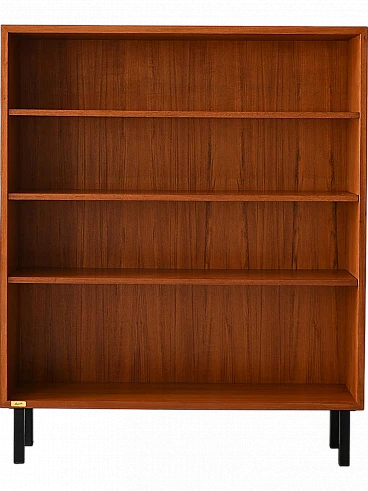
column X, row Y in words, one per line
column 344, row 438
column 29, row 427
column 19, row 420
column 334, row 429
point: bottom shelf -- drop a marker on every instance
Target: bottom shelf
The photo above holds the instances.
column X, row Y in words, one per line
column 186, row 396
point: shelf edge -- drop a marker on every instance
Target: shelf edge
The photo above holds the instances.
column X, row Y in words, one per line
column 186, row 114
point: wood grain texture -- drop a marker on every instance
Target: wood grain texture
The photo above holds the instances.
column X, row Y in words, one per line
column 169, row 235
column 13, row 72
column 185, row 114
column 358, row 389
column 187, row 396
column 352, row 343
column 13, row 154
column 13, row 337
column 353, row 214
column 362, row 222
column 13, row 326
column 182, row 334
column 140, row 75
column 180, row 196
column 152, row 155
column 353, row 156
column 4, row 218
column 13, row 88
column 352, row 238
column 355, row 74
column 184, row 277
column 357, row 236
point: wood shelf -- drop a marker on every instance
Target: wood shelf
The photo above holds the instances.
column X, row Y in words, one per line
column 333, row 196
column 223, row 33
column 109, row 113
column 186, row 396
column 184, row 277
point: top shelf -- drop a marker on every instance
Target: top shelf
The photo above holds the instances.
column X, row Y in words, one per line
column 188, row 32
column 185, row 114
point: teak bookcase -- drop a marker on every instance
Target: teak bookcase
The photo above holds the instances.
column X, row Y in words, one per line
column 183, row 218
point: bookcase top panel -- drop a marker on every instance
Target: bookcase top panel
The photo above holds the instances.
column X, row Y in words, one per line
column 165, row 32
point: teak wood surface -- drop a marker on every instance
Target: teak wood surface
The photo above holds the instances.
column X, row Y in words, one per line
column 199, row 155
column 183, row 334
column 242, row 196
column 176, row 75
column 183, row 217
column 187, row 114
column 183, row 235
column 187, row 396
column 148, row 276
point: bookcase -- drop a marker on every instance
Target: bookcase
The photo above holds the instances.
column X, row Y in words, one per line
column 183, row 220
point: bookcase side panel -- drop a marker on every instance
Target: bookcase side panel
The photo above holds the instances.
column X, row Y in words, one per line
column 356, row 217
column 4, row 214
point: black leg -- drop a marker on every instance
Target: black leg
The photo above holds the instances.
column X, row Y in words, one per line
column 19, row 420
column 334, row 429
column 344, row 440
column 29, row 427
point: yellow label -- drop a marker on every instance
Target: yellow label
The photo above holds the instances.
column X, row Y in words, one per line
column 18, row 403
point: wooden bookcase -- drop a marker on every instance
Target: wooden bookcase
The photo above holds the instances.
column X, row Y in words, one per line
column 183, row 219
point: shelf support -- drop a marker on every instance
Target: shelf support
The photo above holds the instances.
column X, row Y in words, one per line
column 344, row 438
column 19, row 425
column 340, row 435
column 334, row 429
column 22, row 434
column 29, row 436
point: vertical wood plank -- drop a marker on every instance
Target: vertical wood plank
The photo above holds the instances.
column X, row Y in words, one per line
column 4, row 215
column 356, row 215
column 13, row 338
column 362, row 219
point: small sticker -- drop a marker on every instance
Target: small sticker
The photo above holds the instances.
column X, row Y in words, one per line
column 18, row 403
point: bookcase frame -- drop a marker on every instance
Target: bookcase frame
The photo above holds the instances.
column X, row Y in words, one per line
column 183, row 219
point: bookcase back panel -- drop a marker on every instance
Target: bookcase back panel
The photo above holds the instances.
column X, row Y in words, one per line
column 264, row 235
column 217, row 334
column 142, row 154
column 213, row 75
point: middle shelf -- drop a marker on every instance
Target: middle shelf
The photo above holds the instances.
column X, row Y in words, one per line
column 100, row 276
column 186, row 114
column 71, row 195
